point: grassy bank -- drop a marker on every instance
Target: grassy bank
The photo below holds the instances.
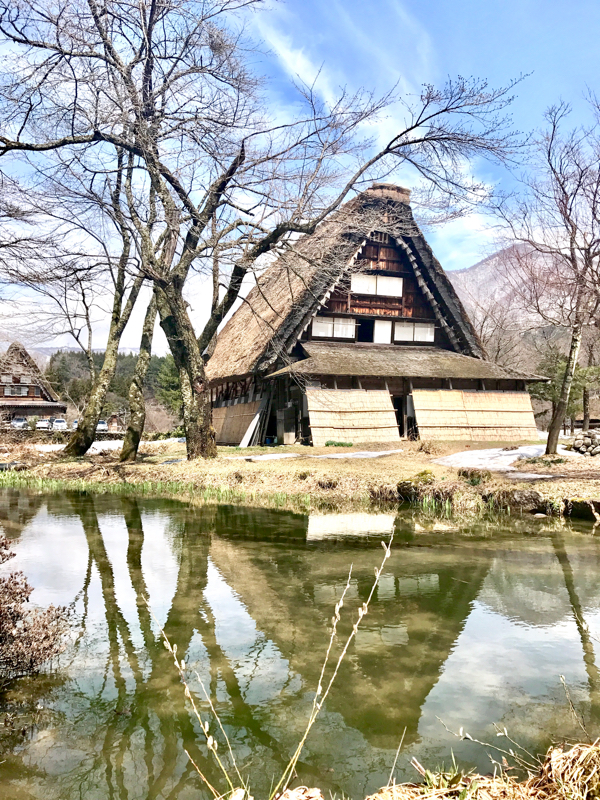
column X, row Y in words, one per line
column 304, row 482
column 571, row 774
column 178, row 490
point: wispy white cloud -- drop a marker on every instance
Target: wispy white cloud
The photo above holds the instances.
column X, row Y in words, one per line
column 464, row 241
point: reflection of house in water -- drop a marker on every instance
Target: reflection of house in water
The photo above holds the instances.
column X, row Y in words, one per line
column 335, row 526
column 17, row 509
column 418, row 612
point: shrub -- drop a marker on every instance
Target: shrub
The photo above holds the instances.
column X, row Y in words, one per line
column 327, row 483
column 429, row 447
column 331, row 443
column 28, row 637
column 474, row 476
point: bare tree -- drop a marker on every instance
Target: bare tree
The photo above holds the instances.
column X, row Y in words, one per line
column 21, row 234
column 209, row 168
column 555, row 272
column 79, row 288
column 498, row 324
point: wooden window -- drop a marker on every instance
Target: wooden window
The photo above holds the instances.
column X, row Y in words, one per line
column 424, row 331
column 382, row 333
column 414, row 332
column 333, row 327
column 6, row 378
column 322, row 326
column 388, row 286
column 343, row 328
column 363, row 284
column 16, row 390
column 37, row 391
column 383, row 285
column 404, row 331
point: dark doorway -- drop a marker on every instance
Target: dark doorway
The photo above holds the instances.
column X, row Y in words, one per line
column 365, row 330
column 398, row 403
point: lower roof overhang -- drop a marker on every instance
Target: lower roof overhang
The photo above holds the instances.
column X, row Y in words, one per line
column 31, row 408
column 388, row 361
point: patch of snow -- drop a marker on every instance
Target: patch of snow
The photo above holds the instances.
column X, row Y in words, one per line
column 100, row 447
column 495, row 459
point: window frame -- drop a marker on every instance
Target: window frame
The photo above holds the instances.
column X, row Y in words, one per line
column 358, row 276
column 415, row 325
column 336, row 323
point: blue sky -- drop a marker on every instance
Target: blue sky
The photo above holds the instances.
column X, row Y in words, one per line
column 380, row 43
column 376, row 44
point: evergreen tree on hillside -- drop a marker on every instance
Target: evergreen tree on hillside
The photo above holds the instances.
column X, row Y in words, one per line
column 169, row 389
column 69, row 374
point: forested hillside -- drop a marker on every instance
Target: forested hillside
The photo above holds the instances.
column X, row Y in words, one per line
column 70, row 375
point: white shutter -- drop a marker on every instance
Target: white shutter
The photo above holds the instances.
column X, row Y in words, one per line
column 382, row 333
column 424, row 332
column 403, row 331
column 388, row 286
column 363, row 284
column 343, row 328
column 322, row 326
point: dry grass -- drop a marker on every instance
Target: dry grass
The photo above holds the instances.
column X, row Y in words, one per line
column 572, row 774
column 337, row 484
column 341, row 482
column 475, row 786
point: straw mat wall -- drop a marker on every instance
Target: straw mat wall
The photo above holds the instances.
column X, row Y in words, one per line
column 474, row 416
column 355, row 416
column 231, row 422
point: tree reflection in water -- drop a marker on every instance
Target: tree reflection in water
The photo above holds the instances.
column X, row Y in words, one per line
column 248, row 604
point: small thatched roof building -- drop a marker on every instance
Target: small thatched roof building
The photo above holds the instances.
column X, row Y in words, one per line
column 24, row 392
column 356, row 334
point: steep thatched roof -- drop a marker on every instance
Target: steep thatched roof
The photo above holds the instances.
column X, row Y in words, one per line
column 17, row 361
column 386, row 361
column 274, row 314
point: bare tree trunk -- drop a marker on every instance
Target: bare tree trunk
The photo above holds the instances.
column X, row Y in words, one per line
column 197, row 412
column 584, row 633
column 586, row 409
column 83, row 438
column 565, row 392
column 200, row 434
column 137, row 404
column 189, row 408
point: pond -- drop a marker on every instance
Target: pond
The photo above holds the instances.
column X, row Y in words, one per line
column 468, row 627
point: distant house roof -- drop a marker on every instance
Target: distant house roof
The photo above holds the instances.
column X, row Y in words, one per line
column 386, row 361
column 17, row 362
column 288, row 294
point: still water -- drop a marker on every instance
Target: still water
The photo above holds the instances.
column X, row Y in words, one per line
column 467, row 628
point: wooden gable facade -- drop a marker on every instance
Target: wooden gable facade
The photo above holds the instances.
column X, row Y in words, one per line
column 371, row 347
column 379, row 301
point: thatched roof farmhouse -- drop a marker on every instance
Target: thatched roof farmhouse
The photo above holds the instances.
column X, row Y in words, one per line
column 24, row 392
column 356, row 334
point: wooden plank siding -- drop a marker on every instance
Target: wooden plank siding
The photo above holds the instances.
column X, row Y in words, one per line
column 474, row 416
column 353, row 415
